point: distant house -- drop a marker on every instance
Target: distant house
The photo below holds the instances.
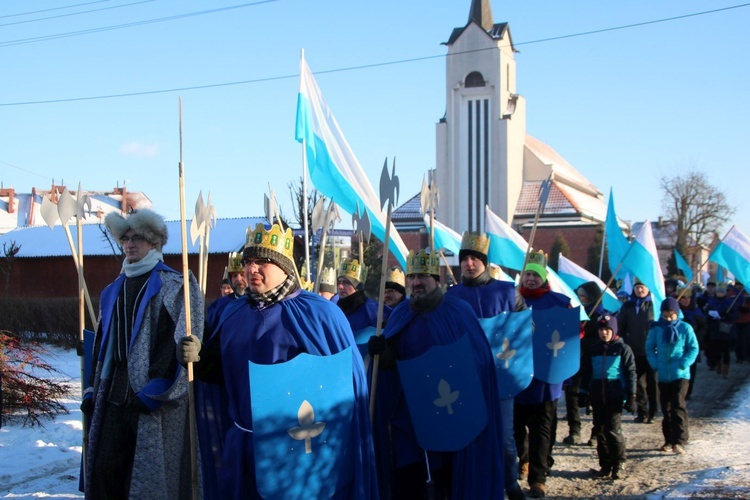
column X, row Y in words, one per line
column 24, row 209
column 44, row 266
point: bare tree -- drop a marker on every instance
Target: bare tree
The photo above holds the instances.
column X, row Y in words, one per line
column 698, row 208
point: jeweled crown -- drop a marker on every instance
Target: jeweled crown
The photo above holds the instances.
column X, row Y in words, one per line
column 422, row 263
column 350, row 268
column 235, row 263
column 478, row 242
column 273, row 239
column 538, row 258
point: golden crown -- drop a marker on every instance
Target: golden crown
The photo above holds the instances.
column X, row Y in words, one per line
column 396, row 275
column 328, row 276
column 496, row 272
column 422, row 263
column 478, row 242
column 351, row 269
column 235, row 262
column 274, row 239
column 539, row 258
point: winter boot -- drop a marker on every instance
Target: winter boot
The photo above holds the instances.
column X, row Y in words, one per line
column 617, row 470
column 725, row 370
column 538, row 490
column 719, row 368
column 523, row 470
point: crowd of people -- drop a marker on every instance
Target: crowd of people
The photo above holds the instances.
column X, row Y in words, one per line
column 331, row 394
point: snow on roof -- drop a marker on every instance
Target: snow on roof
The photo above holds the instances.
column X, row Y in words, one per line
column 563, row 170
column 227, row 236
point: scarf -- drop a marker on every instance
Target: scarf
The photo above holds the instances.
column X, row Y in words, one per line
column 535, row 293
column 274, row 295
column 639, row 302
column 352, row 302
column 670, row 329
column 428, row 302
column 480, row 280
column 143, row 266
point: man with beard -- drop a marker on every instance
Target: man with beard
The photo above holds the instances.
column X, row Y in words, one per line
column 430, row 319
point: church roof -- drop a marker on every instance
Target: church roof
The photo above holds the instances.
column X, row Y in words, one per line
column 497, row 32
column 409, row 214
column 481, row 13
column 571, row 194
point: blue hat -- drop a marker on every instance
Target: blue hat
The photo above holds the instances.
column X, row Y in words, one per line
column 608, row 321
column 670, row 304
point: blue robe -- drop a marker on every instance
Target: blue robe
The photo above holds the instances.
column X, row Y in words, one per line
column 300, row 323
column 487, row 300
column 477, row 470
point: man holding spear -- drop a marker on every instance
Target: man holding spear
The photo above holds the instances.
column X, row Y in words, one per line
column 138, row 395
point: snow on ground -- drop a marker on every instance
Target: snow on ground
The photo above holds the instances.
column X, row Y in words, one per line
column 44, row 462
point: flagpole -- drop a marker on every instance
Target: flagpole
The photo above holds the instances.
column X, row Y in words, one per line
column 304, row 198
column 322, row 252
column 188, row 320
column 540, row 208
column 81, row 316
column 601, row 251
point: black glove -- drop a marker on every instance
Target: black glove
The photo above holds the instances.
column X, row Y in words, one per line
column 188, row 349
column 583, row 400
column 630, row 404
column 376, row 345
column 87, row 406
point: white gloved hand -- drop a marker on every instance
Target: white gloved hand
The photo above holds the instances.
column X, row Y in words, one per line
column 714, row 314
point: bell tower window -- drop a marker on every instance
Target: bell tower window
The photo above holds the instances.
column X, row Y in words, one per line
column 475, row 79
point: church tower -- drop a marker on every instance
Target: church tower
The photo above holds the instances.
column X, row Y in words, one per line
column 480, row 140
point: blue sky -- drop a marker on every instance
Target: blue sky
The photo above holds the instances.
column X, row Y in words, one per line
column 624, row 107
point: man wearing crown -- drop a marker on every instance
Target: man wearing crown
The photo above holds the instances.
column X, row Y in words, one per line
column 489, row 297
column 395, row 287
column 432, row 322
column 535, row 408
column 276, row 323
column 361, row 312
column 238, row 283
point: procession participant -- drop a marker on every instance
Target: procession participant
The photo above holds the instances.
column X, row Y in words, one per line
column 327, row 286
column 490, row 297
column 225, row 288
column 535, row 410
column 671, row 348
column 695, row 317
column 276, row 325
column 721, row 312
column 395, row 287
column 424, row 334
column 589, row 294
column 360, row 311
column 237, row 282
column 608, row 381
column 138, row 446
column 634, row 319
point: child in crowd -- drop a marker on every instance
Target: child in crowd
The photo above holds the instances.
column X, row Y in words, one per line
column 608, row 380
column 671, row 347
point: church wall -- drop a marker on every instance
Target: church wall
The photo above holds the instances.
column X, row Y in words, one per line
column 579, row 240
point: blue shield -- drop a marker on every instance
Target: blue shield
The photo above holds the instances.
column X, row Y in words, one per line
column 444, row 396
column 302, row 420
column 557, row 343
column 509, row 334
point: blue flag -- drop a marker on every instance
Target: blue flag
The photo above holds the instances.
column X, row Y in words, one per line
column 683, row 266
column 617, row 243
column 733, row 253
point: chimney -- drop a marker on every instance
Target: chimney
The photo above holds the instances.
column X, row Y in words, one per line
column 10, row 193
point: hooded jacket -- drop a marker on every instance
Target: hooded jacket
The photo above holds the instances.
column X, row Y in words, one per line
column 671, row 347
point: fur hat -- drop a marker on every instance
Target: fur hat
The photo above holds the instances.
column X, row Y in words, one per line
column 143, row 222
column 608, row 321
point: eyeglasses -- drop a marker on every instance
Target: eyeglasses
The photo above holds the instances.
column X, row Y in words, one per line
column 256, row 262
column 136, row 238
